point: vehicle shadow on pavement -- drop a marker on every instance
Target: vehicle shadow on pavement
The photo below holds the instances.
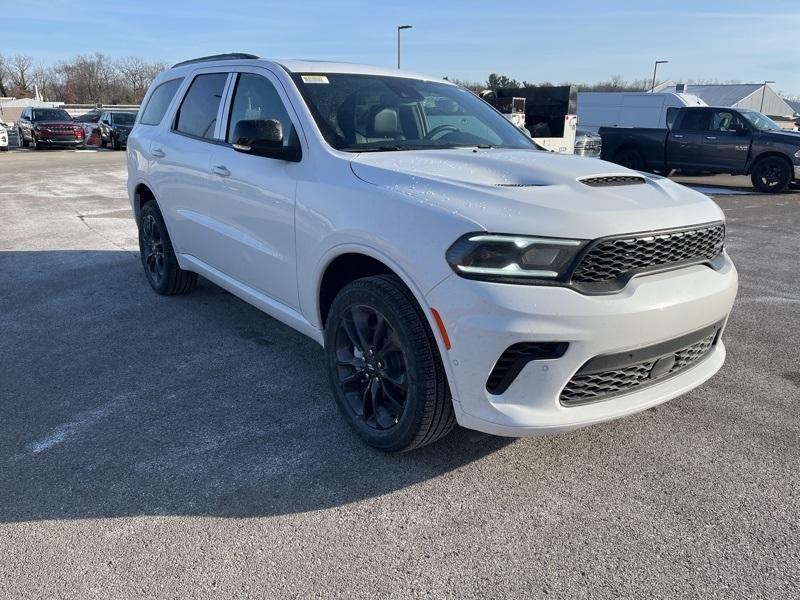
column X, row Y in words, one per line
column 118, row 402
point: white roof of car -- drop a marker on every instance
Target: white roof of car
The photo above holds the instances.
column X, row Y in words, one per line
column 310, row 66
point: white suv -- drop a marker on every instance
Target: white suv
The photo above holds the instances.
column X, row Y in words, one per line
column 452, row 271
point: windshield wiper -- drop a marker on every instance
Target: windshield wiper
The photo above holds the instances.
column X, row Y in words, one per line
column 371, row 148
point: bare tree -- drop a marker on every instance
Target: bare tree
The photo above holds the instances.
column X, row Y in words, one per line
column 137, row 75
column 5, row 84
column 20, row 68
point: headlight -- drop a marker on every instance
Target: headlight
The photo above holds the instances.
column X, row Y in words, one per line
column 513, row 258
column 797, row 154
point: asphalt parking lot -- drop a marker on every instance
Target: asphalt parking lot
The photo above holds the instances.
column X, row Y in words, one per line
column 189, row 447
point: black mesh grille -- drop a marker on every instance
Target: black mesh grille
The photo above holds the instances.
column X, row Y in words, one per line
column 511, row 362
column 610, row 260
column 609, row 180
column 591, row 387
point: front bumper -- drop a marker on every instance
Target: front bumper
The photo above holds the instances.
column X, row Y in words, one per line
column 484, row 319
column 60, row 141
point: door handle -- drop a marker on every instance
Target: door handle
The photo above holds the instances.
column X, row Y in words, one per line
column 710, row 137
column 220, row 170
column 158, row 153
column 679, row 137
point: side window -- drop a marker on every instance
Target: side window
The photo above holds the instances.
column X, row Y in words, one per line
column 672, row 112
column 197, row 114
column 725, row 120
column 255, row 98
column 159, row 102
column 696, row 120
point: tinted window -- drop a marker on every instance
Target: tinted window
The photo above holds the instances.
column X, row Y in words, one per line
column 50, row 114
column 672, row 112
column 696, row 120
column 383, row 113
column 256, row 98
column 123, row 118
column 159, row 102
column 197, row 115
column 725, row 120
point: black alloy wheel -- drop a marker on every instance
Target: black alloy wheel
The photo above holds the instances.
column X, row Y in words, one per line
column 372, row 367
column 771, row 175
column 384, row 366
column 158, row 258
column 153, row 249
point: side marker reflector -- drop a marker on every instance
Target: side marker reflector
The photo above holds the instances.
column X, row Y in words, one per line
column 440, row 324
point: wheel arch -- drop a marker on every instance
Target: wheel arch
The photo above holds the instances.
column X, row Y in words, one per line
column 141, row 195
column 350, row 262
column 768, row 154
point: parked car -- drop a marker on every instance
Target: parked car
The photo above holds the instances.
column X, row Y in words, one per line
column 451, row 270
column 716, row 140
column 587, row 143
column 115, row 125
column 3, row 139
column 47, row 127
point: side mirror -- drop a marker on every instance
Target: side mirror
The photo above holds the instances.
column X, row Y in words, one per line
column 263, row 137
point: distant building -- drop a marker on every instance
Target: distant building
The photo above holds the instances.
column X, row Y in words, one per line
column 11, row 108
column 736, row 95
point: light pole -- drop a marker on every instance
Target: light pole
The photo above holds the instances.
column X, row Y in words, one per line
column 763, row 91
column 399, row 27
column 655, row 68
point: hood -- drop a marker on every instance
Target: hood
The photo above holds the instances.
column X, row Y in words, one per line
column 55, row 124
column 533, row 192
column 791, row 137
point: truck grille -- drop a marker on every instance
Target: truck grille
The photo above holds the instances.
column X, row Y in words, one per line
column 609, row 263
column 585, row 387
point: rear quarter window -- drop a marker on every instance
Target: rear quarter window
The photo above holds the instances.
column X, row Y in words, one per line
column 159, row 102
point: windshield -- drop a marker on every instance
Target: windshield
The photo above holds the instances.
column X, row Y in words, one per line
column 123, row 118
column 50, row 114
column 361, row 113
column 759, row 121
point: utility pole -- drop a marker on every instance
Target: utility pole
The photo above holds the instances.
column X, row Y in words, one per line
column 764, row 91
column 655, row 69
column 399, row 27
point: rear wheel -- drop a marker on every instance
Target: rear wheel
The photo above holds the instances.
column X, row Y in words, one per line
column 384, row 366
column 630, row 158
column 158, row 257
column 771, row 174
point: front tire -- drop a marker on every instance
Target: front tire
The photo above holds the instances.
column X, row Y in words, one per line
column 771, row 175
column 114, row 144
column 22, row 139
column 158, row 257
column 384, row 366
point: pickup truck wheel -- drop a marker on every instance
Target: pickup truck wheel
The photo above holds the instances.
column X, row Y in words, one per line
column 384, row 366
column 630, row 158
column 771, row 174
column 158, row 258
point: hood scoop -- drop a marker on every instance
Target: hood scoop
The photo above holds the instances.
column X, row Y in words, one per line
column 612, row 180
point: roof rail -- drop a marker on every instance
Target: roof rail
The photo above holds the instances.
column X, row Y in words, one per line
column 229, row 56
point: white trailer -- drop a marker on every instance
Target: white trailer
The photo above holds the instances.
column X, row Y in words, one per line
column 634, row 109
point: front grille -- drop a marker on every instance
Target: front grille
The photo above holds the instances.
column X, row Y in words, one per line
column 515, row 357
column 612, row 180
column 591, row 387
column 609, row 263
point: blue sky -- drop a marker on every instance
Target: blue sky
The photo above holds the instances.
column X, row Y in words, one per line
column 582, row 41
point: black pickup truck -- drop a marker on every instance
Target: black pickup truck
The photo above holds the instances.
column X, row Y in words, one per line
column 714, row 140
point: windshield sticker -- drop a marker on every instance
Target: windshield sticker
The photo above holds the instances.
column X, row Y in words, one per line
column 315, row 79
